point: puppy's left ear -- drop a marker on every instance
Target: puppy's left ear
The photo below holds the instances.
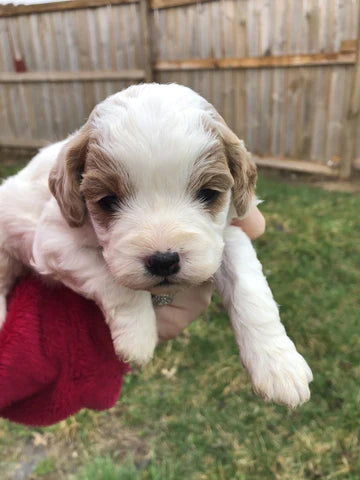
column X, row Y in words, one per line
column 241, row 165
column 243, row 170
column 65, row 178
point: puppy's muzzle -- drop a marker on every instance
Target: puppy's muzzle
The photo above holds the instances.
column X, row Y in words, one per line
column 163, row 264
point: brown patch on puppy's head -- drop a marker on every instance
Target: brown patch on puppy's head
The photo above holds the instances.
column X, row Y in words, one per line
column 84, row 174
column 65, row 178
column 104, row 178
column 211, row 172
column 241, row 165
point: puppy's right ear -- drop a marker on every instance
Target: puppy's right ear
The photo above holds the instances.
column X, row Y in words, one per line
column 65, row 178
column 241, row 165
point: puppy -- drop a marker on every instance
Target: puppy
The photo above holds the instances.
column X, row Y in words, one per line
column 138, row 202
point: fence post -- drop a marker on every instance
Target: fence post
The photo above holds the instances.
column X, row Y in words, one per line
column 145, row 23
column 352, row 117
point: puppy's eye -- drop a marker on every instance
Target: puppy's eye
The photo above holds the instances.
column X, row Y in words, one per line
column 109, row 204
column 208, row 196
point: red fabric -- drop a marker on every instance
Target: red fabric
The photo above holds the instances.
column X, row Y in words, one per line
column 56, row 356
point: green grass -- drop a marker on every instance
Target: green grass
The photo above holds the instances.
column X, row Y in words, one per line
column 46, row 466
column 7, row 170
column 105, row 469
column 204, row 422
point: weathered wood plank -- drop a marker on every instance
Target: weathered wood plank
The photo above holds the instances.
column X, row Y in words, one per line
column 13, row 10
column 305, row 60
column 22, row 142
column 348, row 46
column 303, row 166
column 80, row 76
column 352, row 117
column 146, row 32
column 157, row 4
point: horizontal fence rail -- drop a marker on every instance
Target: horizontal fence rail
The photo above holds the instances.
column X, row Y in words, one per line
column 14, row 10
column 289, row 61
column 80, row 76
column 10, row 10
column 286, row 61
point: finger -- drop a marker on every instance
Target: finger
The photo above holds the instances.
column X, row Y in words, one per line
column 253, row 225
column 197, row 297
column 185, row 308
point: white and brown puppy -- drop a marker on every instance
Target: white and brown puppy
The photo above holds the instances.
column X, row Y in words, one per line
column 138, row 201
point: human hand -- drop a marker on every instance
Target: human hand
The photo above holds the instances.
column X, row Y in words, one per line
column 189, row 304
column 186, row 306
column 253, row 224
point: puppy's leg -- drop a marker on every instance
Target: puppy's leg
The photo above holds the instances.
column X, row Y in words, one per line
column 9, row 270
column 278, row 372
column 132, row 322
column 129, row 314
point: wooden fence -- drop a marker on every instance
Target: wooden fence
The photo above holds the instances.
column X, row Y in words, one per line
column 284, row 73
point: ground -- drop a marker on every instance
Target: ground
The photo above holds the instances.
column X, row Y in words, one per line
column 191, row 413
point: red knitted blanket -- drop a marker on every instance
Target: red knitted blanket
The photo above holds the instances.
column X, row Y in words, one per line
column 56, row 356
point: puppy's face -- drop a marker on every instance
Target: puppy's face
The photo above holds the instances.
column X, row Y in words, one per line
column 159, row 211
column 156, row 182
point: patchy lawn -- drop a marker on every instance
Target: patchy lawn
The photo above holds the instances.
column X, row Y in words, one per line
column 191, row 414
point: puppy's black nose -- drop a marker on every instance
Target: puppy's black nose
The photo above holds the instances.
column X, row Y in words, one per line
column 163, row 264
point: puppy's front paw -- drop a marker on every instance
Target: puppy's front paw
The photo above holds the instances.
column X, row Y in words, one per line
column 134, row 338
column 282, row 376
column 133, row 347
